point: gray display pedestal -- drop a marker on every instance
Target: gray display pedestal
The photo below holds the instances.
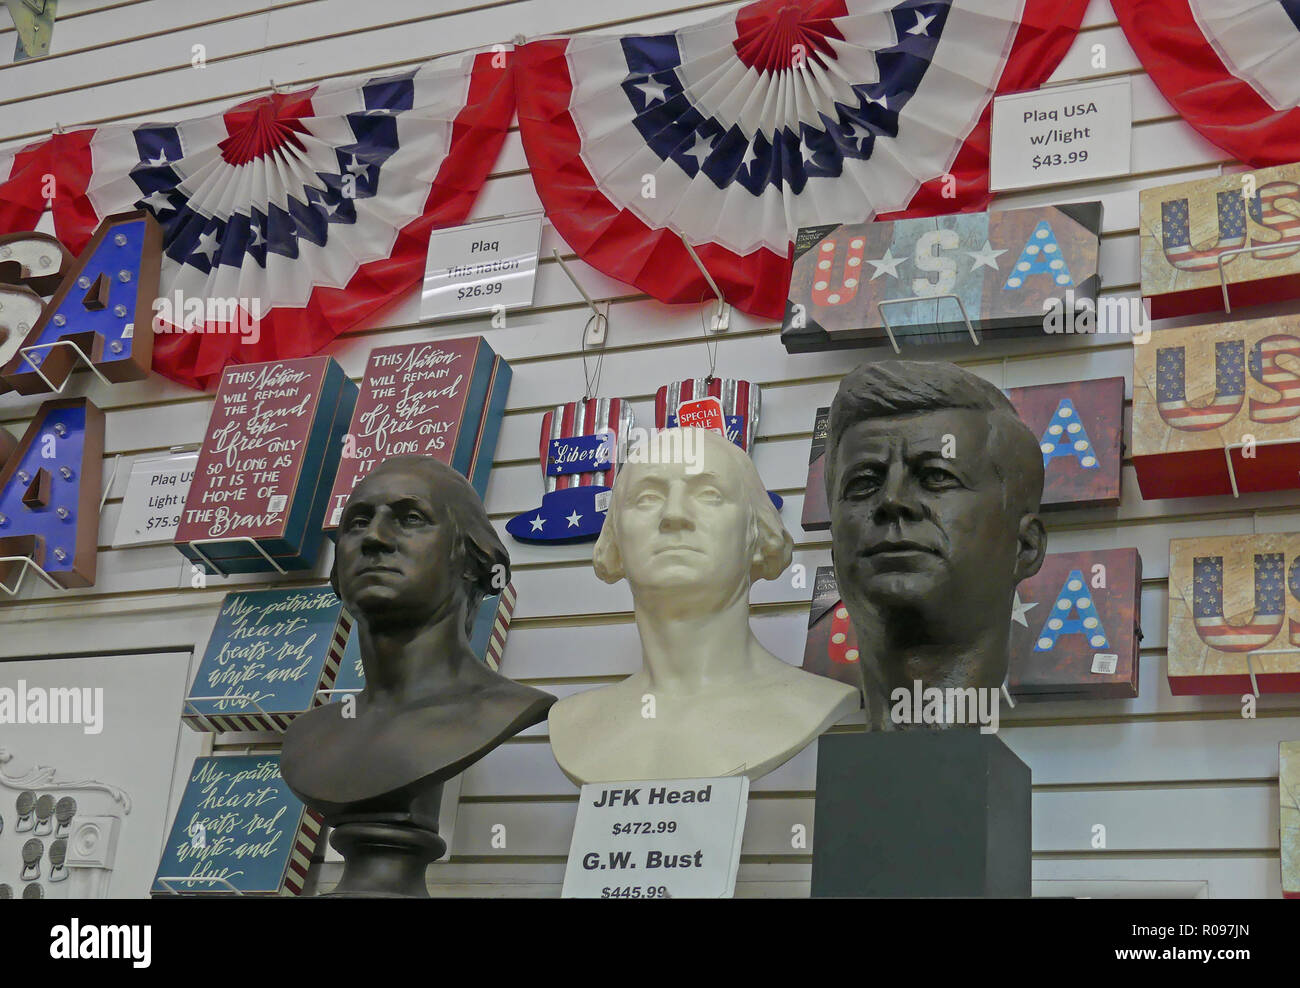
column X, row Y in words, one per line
column 920, row 813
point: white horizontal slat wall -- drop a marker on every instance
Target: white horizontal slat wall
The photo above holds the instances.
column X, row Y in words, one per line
column 1184, row 786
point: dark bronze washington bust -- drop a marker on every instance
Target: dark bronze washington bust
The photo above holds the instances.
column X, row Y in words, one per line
column 416, row 554
column 934, row 486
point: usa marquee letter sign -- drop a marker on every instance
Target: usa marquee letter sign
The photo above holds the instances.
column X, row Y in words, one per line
column 1007, row 268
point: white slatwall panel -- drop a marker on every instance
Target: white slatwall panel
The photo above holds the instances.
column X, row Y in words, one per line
column 1184, row 786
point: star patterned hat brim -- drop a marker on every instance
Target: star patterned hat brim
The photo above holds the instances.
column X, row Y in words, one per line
column 574, row 514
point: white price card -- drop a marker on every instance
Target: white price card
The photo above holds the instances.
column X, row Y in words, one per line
column 671, row 839
column 481, row 267
column 154, row 499
column 1062, row 134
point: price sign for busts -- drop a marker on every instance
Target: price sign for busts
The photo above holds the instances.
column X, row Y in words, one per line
column 1062, row 134
column 480, row 267
column 154, row 498
column 676, row 838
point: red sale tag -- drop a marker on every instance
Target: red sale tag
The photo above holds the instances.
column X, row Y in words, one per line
column 702, row 413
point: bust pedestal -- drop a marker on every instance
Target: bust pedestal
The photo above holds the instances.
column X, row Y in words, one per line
column 921, row 813
column 384, row 859
column 387, row 852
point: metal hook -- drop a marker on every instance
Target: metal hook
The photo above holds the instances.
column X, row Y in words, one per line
column 721, row 319
column 594, row 331
column 592, row 388
column 710, row 346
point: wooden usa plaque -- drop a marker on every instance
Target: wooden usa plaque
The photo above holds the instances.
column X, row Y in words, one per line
column 1075, row 627
column 1080, row 430
column 816, row 509
column 1216, row 409
column 1239, row 233
column 1289, row 799
column 1004, row 270
column 1234, row 602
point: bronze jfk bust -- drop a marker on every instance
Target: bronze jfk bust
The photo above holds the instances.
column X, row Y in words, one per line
column 934, row 485
column 415, row 557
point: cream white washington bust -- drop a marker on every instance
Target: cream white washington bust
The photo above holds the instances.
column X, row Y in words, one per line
column 709, row 699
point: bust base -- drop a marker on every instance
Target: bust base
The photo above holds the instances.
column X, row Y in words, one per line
column 382, row 859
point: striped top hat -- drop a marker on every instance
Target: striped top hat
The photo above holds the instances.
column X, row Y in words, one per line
column 582, row 445
column 713, row 402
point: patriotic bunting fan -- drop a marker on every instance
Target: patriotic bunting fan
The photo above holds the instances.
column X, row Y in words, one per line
column 308, row 210
column 734, row 133
column 1229, row 67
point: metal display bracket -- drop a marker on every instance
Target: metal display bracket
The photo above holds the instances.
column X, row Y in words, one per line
column 242, row 538
column 165, row 880
column 27, row 562
column 25, row 353
column 889, row 329
column 1229, row 254
column 1227, row 455
column 210, row 727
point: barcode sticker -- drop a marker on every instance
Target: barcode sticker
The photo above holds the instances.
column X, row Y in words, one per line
column 1105, row 663
column 602, row 500
column 277, row 504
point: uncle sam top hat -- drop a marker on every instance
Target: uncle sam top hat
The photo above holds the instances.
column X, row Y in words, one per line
column 582, row 445
column 698, row 400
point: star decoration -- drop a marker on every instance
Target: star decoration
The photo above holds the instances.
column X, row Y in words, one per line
column 882, row 102
column 886, row 265
column 158, row 201
column 159, row 161
column 655, row 92
column 537, row 523
column 987, row 258
column 809, row 153
column 357, row 168
column 258, row 239
column 207, row 245
column 702, row 149
column 574, row 518
column 751, row 155
column 922, row 26
column 1019, row 610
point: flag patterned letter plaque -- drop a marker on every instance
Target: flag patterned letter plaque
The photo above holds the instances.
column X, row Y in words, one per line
column 1216, row 409
column 1237, row 232
column 1234, row 614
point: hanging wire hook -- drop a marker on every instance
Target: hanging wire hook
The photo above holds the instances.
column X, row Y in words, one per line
column 595, row 335
column 710, row 345
column 592, row 388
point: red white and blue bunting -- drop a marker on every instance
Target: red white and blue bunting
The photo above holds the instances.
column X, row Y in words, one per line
column 1229, row 67
column 734, row 133
column 314, row 207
